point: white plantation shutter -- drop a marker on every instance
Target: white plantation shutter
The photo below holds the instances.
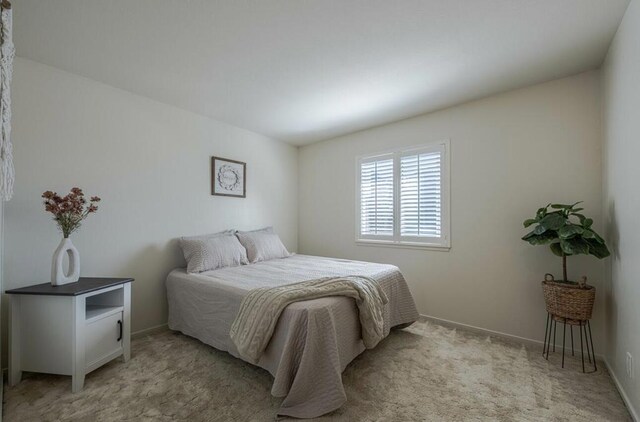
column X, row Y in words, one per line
column 421, row 194
column 376, row 197
column 404, row 197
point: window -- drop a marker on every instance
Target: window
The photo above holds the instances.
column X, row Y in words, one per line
column 403, row 197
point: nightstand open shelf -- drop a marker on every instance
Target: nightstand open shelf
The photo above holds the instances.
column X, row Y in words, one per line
column 96, row 312
column 103, row 304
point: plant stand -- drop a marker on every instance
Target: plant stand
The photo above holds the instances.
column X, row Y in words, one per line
column 583, row 326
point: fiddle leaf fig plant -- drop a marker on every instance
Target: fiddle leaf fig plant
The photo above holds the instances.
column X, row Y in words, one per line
column 566, row 231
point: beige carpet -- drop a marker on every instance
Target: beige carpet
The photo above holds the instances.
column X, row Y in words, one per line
column 426, row 372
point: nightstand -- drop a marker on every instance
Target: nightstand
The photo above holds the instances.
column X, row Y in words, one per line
column 70, row 329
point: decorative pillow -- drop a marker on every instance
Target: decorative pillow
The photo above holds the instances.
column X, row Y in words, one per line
column 212, row 251
column 262, row 245
column 268, row 229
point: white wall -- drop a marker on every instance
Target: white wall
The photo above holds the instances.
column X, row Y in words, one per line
column 621, row 109
column 150, row 164
column 2, row 306
column 510, row 154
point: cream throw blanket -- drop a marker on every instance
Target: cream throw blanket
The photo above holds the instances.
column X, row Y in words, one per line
column 259, row 311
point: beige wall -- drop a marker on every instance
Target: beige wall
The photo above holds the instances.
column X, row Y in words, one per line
column 150, row 164
column 510, row 154
column 621, row 92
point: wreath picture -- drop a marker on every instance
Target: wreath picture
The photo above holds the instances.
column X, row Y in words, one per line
column 228, row 177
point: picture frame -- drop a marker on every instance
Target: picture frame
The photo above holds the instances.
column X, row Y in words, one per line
column 228, row 177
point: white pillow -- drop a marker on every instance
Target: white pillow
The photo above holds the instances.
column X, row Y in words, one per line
column 262, row 245
column 212, row 251
column 268, row 229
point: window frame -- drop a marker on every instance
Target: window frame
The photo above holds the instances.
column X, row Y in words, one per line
column 442, row 243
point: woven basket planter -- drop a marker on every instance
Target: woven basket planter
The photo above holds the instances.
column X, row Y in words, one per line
column 569, row 301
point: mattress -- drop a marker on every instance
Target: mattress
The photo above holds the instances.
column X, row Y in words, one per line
column 313, row 341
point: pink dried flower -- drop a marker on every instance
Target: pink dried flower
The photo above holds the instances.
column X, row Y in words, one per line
column 52, row 208
column 69, row 211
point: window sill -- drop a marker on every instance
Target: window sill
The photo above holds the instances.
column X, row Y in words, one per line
column 402, row 245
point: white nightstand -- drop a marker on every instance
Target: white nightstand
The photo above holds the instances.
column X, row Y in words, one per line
column 70, row 329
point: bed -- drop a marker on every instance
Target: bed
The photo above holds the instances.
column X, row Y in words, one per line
column 313, row 341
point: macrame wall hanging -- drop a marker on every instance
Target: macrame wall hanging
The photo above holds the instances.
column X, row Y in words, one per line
column 7, row 52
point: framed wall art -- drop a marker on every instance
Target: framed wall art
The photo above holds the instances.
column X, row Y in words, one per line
column 228, row 177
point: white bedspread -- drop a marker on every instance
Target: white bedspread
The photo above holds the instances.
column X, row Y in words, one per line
column 313, row 341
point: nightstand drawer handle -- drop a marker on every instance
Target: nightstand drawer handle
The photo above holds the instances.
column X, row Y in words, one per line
column 120, row 330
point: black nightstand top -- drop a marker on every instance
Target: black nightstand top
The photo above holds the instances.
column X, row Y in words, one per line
column 82, row 286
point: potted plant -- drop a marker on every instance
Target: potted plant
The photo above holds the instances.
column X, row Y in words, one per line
column 567, row 232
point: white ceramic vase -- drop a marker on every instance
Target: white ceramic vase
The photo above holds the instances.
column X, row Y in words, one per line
column 58, row 275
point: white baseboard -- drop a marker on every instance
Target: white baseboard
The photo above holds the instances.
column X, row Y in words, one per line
column 148, row 331
column 505, row 336
column 625, row 397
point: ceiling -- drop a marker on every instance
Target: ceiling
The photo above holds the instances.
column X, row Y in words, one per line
column 303, row 71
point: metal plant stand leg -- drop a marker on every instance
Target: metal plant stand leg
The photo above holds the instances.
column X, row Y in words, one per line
column 581, row 349
column 564, row 335
column 571, row 328
column 547, row 340
column 550, row 331
column 586, row 340
column 593, row 351
column 546, row 328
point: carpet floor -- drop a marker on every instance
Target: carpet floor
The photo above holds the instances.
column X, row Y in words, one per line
column 426, row 372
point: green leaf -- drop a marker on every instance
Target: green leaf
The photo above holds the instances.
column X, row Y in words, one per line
column 541, row 212
column 580, row 217
column 556, row 249
column 574, row 246
column 566, row 247
column 599, row 250
column 529, row 222
column 592, row 235
column 539, row 229
column 588, row 222
column 579, row 202
column 569, row 231
column 598, row 238
column 540, row 239
column 565, row 206
column 553, row 221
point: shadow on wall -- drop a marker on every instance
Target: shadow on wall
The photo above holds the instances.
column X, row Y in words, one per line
column 153, row 258
column 149, row 267
column 610, row 306
column 613, row 233
column 4, row 326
